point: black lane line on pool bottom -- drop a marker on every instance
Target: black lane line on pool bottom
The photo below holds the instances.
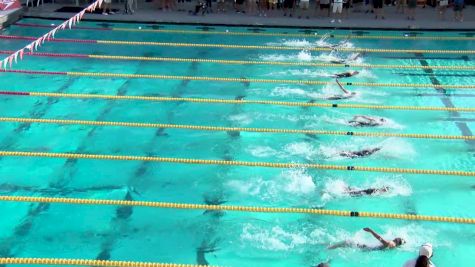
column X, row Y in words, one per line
column 209, row 243
column 119, row 223
column 20, row 231
column 38, row 111
column 462, row 126
column 24, row 227
column 118, row 226
column 7, row 247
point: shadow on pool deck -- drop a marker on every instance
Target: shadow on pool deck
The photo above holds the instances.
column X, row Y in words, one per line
column 426, row 18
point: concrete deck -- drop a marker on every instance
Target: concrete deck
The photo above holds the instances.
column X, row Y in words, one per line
column 426, row 18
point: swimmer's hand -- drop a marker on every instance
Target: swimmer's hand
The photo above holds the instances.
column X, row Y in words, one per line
column 367, row 229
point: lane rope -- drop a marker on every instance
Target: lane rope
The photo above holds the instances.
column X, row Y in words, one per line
column 82, row 262
column 234, row 102
column 233, row 129
column 229, row 32
column 241, row 62
column 168, row 205
column 242, row 80
column 232, row 163
column 255, row 47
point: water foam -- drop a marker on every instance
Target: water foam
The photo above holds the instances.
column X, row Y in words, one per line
column 262, row 151
column 294, row 91
column 397, row 148
column 297, row 43
column 304, row 149
column 286, row 186
column 241, row 119
column 301, row 72
column 328, row 57
column 278, row 57
column 298, row 181
column 365, row 73
column 304, row 55
column 273, row 239
column 256, row 187
column 292, row 43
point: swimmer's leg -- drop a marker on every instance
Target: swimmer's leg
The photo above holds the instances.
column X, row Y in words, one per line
column 342, row 244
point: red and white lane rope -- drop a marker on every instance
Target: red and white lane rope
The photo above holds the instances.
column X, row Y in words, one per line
column 33, row 46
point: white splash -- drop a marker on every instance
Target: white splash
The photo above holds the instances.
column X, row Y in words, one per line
column 323, row 43
column 304, row 55
column 366, row 74
column 262, row 151
column 397, row 148
column 293, row 91
column 328, row 57
column 334, row 189
column 273, row 239
column 241, row 119
column 304, row 149
column 256, row 187
column 288, row 185
column 297, row 43
column 298, row 181
column 278, row 57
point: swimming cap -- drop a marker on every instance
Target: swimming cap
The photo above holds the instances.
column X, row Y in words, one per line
column 426, row 250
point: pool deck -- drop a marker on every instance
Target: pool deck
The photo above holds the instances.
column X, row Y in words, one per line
column 426, row 18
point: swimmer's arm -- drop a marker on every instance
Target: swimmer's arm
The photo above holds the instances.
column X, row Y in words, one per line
column 341, row 87
column 356, row 56
column 366, row 117
column 376, row 149
column 377, row 236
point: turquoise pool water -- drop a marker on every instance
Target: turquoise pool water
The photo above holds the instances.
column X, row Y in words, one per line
column 231, row 238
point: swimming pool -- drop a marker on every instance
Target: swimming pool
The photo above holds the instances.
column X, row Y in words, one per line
column 232, row 238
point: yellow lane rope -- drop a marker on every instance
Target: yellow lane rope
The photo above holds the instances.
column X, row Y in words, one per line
column 292, row 48
column 339, row 36
column 240, row 102
column 281, row 81
column 232, row 163
column 232, row 129
column 280, row 63
column 168, row 205
column 81, row 262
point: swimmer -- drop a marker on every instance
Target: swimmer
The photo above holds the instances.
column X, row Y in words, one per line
column 370, row 191
column 347, row 74
column 385, row 244
column 360, row 153
column 346, row 94
column 362, row 121
column 347, row 60
column 336, row 46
